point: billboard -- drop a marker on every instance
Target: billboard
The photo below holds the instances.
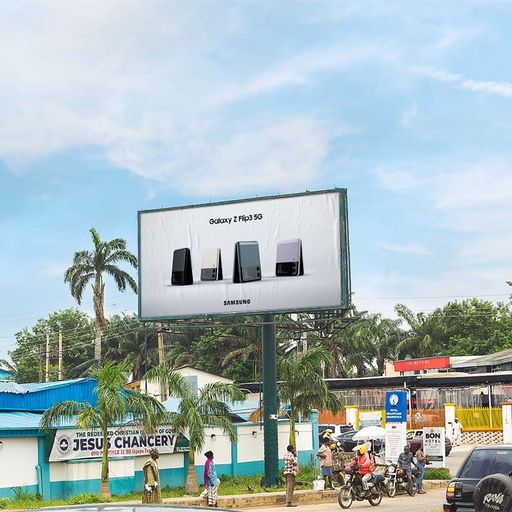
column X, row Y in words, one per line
column 270, row 254
column 72, row 444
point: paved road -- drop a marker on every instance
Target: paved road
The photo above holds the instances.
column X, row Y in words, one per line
column 432, row 501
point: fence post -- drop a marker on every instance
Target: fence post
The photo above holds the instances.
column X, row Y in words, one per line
column 449, row 419
column 352, row 413
column 506, row 411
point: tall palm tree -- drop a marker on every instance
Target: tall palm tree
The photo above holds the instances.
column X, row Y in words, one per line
column 302, row 387
column 91, row 266
column 114, row 404
column 424, row 332
column 208, row 407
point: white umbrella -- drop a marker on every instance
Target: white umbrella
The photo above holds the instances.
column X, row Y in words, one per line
column 370, row 434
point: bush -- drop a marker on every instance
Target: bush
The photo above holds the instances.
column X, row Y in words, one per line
column 437, row 474
column 5, row 502
column 85, row 498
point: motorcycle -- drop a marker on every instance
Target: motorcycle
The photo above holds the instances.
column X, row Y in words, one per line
column 397, row 479
column 353, row 488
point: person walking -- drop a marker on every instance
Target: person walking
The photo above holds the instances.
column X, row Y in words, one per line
column 211, row 480
column 151, row 492
column 325, row 455
column 421, row 462
column 457, row 432
column 405, row 463
column 291, row 468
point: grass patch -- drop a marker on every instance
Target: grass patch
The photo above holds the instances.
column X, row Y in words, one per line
column 437, row 474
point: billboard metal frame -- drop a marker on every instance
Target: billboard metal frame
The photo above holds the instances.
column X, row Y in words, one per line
column 345, row 299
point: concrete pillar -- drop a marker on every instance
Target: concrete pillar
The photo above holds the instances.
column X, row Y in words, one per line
column 449, row 419
column 506, row 411
column 352, row 415
column 314, row 429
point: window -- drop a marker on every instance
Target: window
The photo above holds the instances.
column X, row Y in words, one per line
column 486, row 462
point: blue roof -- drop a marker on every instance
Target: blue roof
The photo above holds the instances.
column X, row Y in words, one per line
column 240, row 409
column 11, row 387
column 19, row 421
column 38, row 396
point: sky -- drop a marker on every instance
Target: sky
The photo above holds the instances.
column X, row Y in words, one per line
column 107, row 108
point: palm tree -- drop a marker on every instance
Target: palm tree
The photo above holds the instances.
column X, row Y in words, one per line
column 424, row 332
column 208, row 407
column 114, row 405
column 302, row 388
column 90, row 266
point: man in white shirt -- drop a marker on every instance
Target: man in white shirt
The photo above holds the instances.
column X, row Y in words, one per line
column 457, row 431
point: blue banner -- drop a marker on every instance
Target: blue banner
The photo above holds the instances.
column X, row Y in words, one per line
column 396, row 406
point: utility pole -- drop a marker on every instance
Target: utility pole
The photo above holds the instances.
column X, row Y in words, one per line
column 60, row 355
column 40, row 360
column 47, row 373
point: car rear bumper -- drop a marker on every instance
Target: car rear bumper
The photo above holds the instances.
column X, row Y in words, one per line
column 458, row 507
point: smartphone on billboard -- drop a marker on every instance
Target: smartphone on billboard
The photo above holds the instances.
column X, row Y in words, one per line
column 181, row 267
column 247, row 265
column 289, row 260
column 211, row 265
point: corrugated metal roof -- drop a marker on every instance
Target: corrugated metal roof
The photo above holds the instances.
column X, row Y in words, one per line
column 19, row 421
column 38, row 386
column 11, row 387
column 37, row 397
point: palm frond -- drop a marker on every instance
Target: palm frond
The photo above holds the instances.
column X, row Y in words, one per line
column 171, row 382
column 121, row 277
column 57, row 414
column 121, row 256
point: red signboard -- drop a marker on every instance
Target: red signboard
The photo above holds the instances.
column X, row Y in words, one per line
column 427, row 363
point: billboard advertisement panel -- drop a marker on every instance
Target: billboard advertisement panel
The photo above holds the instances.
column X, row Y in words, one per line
column 70, row 444
column 271, row 254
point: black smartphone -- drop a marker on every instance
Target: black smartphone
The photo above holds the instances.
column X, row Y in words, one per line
column 181, row 267
column 289, row 260
column 211, row 265
column 247, row 265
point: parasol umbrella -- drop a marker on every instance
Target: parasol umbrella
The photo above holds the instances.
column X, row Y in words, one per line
column 370, row 434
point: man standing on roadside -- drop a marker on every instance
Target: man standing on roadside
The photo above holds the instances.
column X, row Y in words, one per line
column 290, row 473
column 421, row 461
column 151, row 492
column 325, row 455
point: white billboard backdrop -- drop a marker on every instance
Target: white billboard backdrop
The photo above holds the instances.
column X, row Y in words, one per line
column 306, row 234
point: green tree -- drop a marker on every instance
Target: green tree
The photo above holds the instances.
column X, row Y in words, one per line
column 126, row 338
column 208, row 406
column 424, row 334
column 301, row 387
column 476, row 327
column 90, row 267
column 114, row 405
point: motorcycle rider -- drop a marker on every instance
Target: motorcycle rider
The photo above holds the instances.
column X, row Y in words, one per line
column 405, row 463
column 365, row 466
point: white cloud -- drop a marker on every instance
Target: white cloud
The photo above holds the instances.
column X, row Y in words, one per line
column 467, row 194
column 413, row 249
column 499, row 88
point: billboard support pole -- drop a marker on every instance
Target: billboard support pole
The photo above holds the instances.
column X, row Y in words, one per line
column 271, row 476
